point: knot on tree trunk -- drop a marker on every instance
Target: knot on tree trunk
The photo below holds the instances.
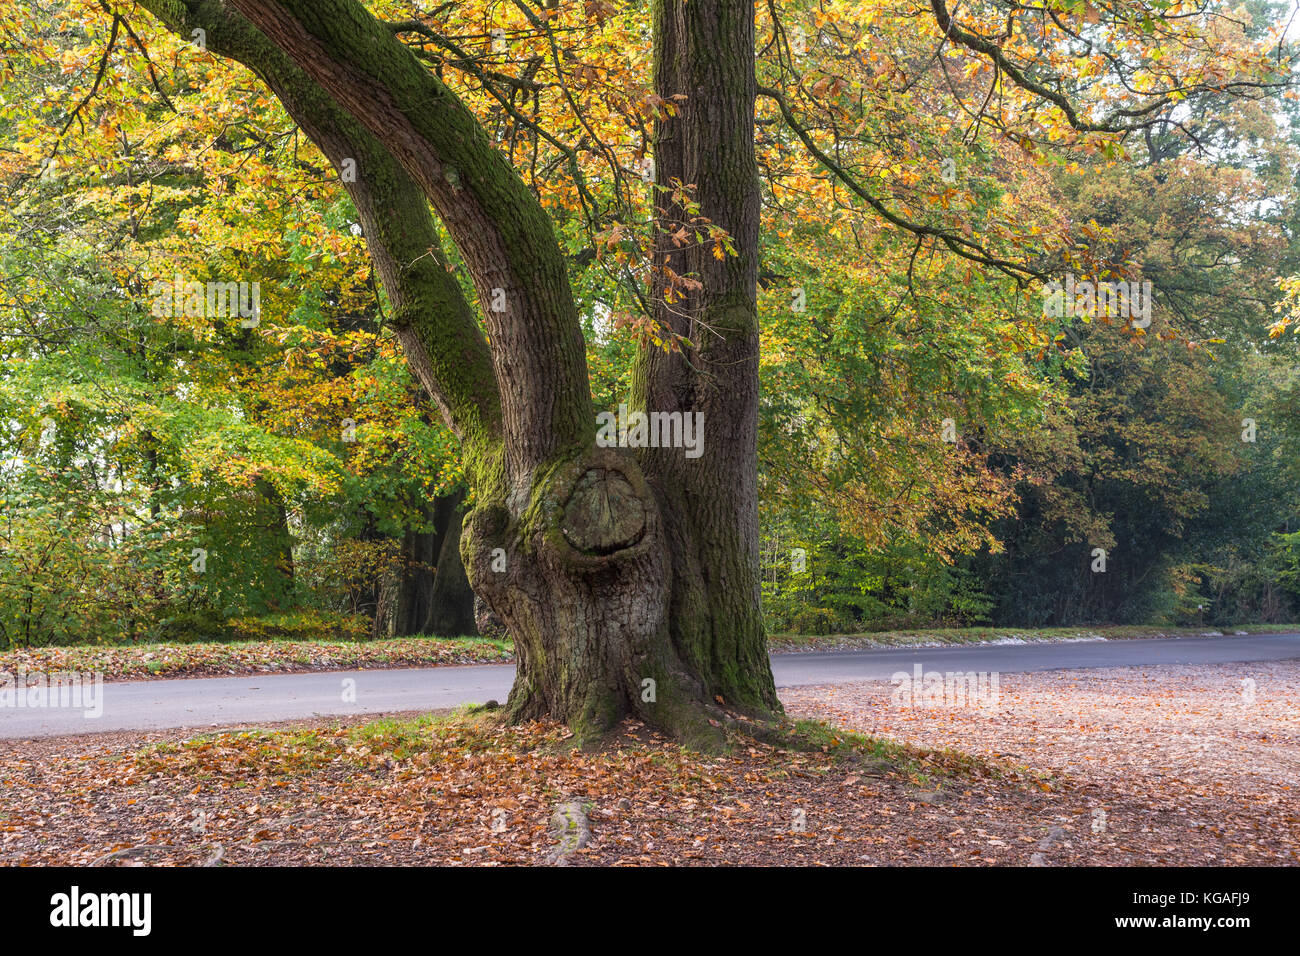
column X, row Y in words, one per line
column 600, row 512
column 604, row 513
column 581, row 580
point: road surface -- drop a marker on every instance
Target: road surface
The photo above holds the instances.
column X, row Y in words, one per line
column 226, row 701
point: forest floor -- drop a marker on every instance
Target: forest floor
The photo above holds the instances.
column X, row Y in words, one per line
column 1155, row 765
column 237, row 658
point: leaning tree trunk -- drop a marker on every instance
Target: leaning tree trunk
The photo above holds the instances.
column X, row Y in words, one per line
column 629, row 584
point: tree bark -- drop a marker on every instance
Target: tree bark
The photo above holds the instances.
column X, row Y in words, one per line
column 281, row 539
column 413, row 595
column 705, row 51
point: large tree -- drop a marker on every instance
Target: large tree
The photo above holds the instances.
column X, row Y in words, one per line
column 629, row 578
column 629, row 582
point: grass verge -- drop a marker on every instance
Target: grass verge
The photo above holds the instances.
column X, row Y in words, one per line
column 935, row 637
column 137, row 661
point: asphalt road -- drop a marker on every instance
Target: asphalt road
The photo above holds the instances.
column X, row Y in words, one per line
column 226, row 701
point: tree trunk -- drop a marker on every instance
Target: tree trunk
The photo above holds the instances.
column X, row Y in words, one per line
column 705, row 50
column 281, row 539
column 434, row 596
column 629, row 572
column 451, row 604
column 412, row 605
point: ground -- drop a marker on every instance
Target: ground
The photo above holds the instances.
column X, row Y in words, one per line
column 1171, row 764
column 1140, row 765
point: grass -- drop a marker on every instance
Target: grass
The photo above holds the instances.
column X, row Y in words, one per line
column 923, row 767
column 844, row 744
column 983, row 635
column 214, row 659
column 298, row 751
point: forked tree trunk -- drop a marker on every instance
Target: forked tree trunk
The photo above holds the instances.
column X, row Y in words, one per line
column 629, row 582
column 633, row 587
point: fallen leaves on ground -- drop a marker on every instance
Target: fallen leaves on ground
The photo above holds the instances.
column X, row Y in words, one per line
column 466, row 791
column 1163, row 765
column 1127, row 766
column 134, row 662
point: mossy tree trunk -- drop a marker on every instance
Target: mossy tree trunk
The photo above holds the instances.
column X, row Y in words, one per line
column 628, row 581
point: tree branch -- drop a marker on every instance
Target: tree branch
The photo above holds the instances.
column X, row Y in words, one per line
column 437, row 326
column 958, row 244
column 501, row 230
